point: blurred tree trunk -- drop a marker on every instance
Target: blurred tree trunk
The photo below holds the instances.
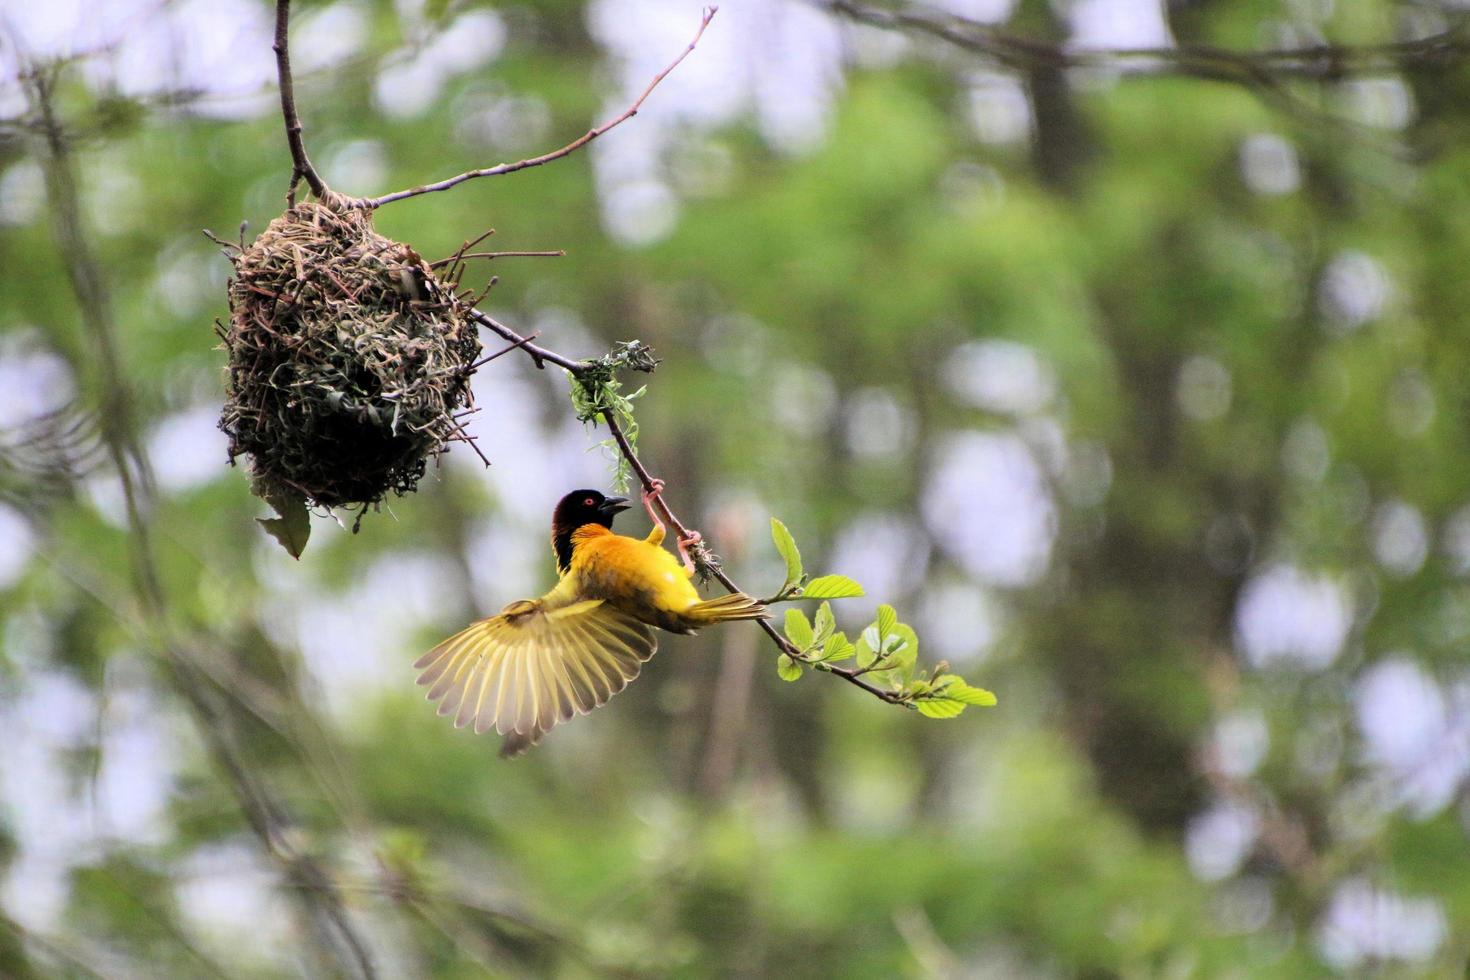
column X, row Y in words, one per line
column 1062, row 144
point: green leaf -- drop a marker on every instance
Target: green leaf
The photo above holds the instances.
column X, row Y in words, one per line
column 867, row 646
column 831, row 587
column 788, row 669
column 887, row 619
column 838, row 647
column 939, row 707
column 905, row 656
column 824, row 624
column 949, row 696
column 786, row 545
column 799, row 629
column 293, row 527
column 958, row 690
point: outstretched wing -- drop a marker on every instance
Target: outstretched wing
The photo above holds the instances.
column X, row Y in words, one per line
column 528, row 669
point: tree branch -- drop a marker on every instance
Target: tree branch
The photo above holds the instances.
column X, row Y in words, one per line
column 130, row 459
column 302, row 168
column 1320, row 62
column 540, row 355
column 54, row 949
column 701, row 556
column 718, row 574
column 548, row 254
column 300, row 163
column 570, row 148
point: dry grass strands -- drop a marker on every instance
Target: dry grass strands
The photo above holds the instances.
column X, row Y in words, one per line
column 348, row 360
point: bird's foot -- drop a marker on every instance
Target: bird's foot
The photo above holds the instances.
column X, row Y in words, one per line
column 655, row 487
column 685, row 543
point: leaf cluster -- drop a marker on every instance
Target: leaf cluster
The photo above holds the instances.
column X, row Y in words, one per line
column 597, row 393
column 886, row 652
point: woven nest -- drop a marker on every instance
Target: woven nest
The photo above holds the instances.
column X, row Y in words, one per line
column 348, row 360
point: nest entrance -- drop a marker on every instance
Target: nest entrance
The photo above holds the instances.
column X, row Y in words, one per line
column 348, row 360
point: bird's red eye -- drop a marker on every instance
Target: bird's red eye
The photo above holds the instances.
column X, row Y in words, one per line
column 589, row 502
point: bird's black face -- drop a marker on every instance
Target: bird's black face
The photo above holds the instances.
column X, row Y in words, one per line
column 577, row 509
column 587, row 507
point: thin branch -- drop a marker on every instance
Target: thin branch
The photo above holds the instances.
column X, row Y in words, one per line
column 553, row 254
column 1321, row 62
column 503, row 351
column 130, row 459
column 456, row 261
column 570, row 148
column 539, row 354
column 420, row 897
column 460, row 435
column 701, row 556
column 1265, row 74
column 53, row 948
column 300, row 163
column 718, row 574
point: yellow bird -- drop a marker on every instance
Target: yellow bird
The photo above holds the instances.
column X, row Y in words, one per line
column 542, row 660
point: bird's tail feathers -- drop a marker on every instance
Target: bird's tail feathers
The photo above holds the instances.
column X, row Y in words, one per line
column 727, row 608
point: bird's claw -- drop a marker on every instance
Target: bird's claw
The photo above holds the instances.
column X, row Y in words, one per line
column 655, row 487
column 687, row 541
column 690, row 539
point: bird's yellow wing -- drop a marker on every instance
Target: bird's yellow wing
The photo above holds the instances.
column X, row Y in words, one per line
column 530, row 668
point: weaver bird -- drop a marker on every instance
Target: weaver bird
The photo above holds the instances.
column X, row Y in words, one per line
column 542, row 660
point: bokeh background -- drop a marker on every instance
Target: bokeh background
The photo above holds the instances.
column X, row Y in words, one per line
column 1137, row 383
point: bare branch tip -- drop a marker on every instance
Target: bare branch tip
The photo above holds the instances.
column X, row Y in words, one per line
column 545, row 158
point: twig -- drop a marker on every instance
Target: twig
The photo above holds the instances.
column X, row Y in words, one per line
column 1265, row 74
column 554, row 254
column 540, row 355
column 300, row 163
column 52, row 947
column 465, row 437
column 479, row 297
column 1321, row 62
column 456, row 260
column 570, row 148
column 225, row 246
column 130, row 459
column 417, row 894
column 849, row 675
column 504, row 350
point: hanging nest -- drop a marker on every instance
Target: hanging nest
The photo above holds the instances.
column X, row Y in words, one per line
column 348, row 360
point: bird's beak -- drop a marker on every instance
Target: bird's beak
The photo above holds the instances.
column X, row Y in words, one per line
column 613, row 505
